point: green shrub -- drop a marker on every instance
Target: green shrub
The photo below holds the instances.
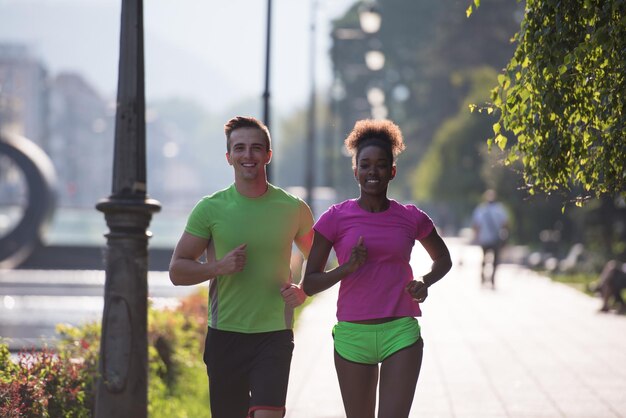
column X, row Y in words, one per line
column 61, row 382
column 178, row 387
column 42, row 384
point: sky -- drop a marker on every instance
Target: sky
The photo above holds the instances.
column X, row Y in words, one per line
column 209, row 51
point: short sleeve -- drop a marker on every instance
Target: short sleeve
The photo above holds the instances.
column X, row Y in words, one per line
column 327, row 224
column 424, row 225
column 198, row 221
column 504, row 216
column 305, row 217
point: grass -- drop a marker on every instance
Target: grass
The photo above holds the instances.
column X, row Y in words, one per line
column 189, row 400
column 583, row 282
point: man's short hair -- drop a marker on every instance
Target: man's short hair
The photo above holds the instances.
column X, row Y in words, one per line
column 246, row 122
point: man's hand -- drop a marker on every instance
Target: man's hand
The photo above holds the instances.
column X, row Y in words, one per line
column 293, row 295
column 418, row 290
column 233, row 262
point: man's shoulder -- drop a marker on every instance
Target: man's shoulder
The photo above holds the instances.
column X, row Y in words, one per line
column 478, row 210
column 281, row 194
column 500, row 208
column 216, row 199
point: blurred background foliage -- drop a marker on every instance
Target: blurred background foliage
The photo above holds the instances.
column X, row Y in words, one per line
column 423, row 67
column 438, row 62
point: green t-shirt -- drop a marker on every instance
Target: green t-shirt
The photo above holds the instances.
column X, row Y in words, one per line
column 250, row 301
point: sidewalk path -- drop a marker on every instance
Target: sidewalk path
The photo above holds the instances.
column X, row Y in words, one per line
column 530, row 348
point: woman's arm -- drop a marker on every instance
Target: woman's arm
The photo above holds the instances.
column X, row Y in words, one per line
column 439, row 253
column 315, row 278
column 442, row 263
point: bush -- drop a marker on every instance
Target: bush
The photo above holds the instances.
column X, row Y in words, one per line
column 178, row 386
column 61, row 382
column 42, row 384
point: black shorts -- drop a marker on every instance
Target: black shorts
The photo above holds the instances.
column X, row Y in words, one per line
column 247, row 372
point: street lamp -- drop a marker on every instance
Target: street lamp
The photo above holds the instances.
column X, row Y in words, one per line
column 122, row 389
column 357, row 56
column 266, row 91
column 309, row 176
column 370, row 21
column 375, row 60
column 369, row 17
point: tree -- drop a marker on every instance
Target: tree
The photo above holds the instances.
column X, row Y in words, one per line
column 452, row 169
column 560, row 101
column 424, row 43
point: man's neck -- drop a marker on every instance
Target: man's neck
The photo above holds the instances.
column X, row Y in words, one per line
column 251, row 189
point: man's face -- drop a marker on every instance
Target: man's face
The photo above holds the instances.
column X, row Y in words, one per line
column 248, row 153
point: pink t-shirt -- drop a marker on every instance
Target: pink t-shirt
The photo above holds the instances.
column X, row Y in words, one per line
column 377, row 288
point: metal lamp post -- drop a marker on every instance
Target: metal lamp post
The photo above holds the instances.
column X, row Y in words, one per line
column 266, row 91
column 309, row 175
column 122, row 389
column 369, row 17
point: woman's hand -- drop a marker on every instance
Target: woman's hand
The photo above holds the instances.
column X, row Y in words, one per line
column 418, row 290
column 358, row 256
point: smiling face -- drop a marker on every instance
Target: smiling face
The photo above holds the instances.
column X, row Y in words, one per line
column 374, row 170
column 248, row 154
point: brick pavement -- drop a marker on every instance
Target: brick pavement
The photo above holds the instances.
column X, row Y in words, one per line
column 530, row 348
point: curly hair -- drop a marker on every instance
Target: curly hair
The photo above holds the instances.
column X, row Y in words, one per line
column 381, row 133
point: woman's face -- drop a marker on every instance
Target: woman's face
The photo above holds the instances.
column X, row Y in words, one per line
column 374, row 170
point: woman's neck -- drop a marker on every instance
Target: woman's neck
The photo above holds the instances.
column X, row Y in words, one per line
column 373, row 203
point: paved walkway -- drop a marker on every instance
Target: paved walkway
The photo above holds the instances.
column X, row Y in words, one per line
column 531, row 348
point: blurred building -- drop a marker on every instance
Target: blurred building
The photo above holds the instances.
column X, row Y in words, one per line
column 65, row 116
column 172, row 172
column 75, row 125
column 23, row 94
column 82, row 128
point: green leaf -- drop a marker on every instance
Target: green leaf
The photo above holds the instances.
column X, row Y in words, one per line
column 468, row 12
column 511, row 158
column 501, row 141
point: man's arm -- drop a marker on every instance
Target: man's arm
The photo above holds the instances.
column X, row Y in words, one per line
column 304, row 243
column 187, row 269
column 292, row 293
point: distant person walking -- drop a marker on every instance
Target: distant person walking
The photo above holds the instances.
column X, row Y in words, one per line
column 490, row 222
column 377, row 336
column 247, row 232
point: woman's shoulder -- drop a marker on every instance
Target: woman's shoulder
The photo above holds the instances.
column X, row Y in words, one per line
column 410, row 210
column 339, row 209
column 346, row 205
column 404, row 207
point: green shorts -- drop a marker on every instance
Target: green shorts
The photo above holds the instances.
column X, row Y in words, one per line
column 373, row 343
